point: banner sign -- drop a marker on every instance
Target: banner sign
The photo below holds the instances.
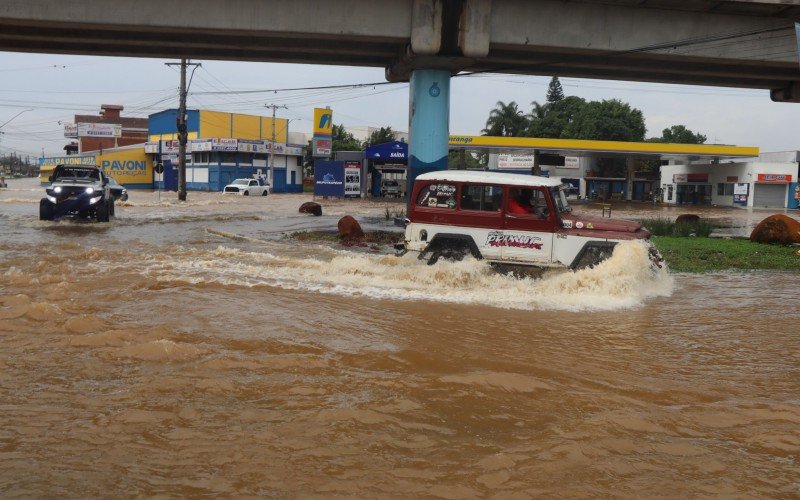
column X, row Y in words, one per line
column 676, row 178
column 151, row 147
column 52, row 161
column 71, row 130
column 99, row 130
column 352, row 179
column 741, row 189
column 774, row 178
column 732, row 178
column 505, row 162
column 328, row 178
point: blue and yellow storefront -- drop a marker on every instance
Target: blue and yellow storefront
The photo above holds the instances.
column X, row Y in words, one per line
column 225, row 146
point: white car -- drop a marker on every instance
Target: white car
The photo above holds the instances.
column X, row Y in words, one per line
column 246, row 187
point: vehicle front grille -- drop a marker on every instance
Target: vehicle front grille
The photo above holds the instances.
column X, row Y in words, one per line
column 230, row 189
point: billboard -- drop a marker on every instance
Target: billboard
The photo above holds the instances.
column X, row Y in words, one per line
column 71, row 130
column 329, row 178
column 99, row 130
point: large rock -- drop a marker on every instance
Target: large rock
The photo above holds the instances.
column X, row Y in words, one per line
column 310, row 207
column 688, row 218
column 778, row 228
column 349, row 228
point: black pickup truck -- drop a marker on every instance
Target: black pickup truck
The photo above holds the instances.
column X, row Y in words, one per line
column 82, row 190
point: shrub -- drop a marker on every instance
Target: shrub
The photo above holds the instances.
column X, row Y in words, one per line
column 666, row 227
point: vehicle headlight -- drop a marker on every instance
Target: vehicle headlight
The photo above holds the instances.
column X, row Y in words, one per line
column 57, row 189
column 89, row 190
column 52, row 199
column 95, row 199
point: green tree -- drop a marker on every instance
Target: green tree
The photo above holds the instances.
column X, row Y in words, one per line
column 679, row 134
column 607, row 120
column 506, row 120
column 344, row 140
column 554, row 91
column 552, row 119
column 380, row 136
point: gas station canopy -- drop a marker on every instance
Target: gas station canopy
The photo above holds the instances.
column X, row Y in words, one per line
column 605, row 149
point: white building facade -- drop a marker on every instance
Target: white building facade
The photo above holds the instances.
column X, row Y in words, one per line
column 767, row 182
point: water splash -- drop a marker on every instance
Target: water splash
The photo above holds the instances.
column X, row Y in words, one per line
column 624, row 280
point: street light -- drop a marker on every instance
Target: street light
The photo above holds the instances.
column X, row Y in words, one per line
column 7, row 121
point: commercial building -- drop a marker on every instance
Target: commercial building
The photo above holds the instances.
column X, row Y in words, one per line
column 128, row 165
column 768, row 181
column 105, row 131
column 225, row 146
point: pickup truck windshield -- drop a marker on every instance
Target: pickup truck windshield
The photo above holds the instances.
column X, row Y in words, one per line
column 78, row 174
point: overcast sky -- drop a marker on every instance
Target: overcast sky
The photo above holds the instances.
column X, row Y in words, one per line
column 55, row 87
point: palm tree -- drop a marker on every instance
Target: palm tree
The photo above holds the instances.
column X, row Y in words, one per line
column 506, row 120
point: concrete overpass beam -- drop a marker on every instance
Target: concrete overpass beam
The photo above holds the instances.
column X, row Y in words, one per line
column 475, row 28
column 426, row 26
column 786, row 94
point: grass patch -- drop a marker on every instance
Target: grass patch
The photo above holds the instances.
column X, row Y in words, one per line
column 700, row 255
column 666, row 227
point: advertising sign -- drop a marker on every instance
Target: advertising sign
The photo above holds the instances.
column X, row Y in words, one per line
column 322, row 147
column 71, row 130
column 676, row 178
column 151, row 147
column 571, row 162
column 328, row 178
column 782, row 178
column 352, row 179
column 732, row 178
column 741, row 189
column 99, row 130
column 508, row 162
column 323, row 122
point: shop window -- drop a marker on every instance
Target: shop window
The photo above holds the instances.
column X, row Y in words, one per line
column 485, row 198
column 720, row 189
column 438, row 195
column 227, row 157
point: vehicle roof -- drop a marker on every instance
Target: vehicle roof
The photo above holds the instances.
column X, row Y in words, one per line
column 487, row 177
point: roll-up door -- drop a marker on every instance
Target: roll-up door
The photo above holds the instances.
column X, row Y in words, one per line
column 769, row 196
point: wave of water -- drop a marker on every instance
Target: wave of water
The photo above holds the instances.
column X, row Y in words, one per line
column 625, row 280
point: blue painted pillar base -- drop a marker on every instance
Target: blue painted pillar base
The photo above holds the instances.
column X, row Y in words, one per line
column 429, row 122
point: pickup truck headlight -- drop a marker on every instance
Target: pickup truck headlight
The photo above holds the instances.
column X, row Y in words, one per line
column 57, row 189
column 52, row 199
column 89, row 190
column 94, row 200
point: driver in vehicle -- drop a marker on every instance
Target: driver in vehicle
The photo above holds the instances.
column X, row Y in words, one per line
column 520, row 201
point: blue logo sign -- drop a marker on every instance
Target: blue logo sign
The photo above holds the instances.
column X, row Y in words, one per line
column 323, row 121
column 434, row 90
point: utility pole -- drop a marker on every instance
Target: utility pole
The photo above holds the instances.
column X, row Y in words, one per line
column 183, row 133
column 272, row 146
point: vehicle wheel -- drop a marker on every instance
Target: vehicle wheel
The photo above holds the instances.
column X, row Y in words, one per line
column 264, row 193
column 103, row 211
column 45, row 210
column 246, row 193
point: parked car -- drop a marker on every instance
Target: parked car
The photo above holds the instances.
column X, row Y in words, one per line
column 82, row 190
column 390, row 188
column 508, row 219
column 246, row 187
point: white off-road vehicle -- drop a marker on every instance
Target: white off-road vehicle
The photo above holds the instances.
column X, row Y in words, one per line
column 508, row 219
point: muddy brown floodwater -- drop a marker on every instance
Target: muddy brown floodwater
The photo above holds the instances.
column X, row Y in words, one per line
column 194, row 350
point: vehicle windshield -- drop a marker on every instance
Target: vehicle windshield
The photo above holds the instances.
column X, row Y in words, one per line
column 241, row 182
column 560, row 197
column 77, row 174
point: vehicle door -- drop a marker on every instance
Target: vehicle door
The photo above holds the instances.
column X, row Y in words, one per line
column 254, row 188
column 480, row 213
column 528, row 237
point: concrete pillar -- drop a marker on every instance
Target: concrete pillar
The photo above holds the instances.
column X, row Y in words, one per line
column 429, row 122
column 630, row 164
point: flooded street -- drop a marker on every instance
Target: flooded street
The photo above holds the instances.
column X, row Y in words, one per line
column 195, row 350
